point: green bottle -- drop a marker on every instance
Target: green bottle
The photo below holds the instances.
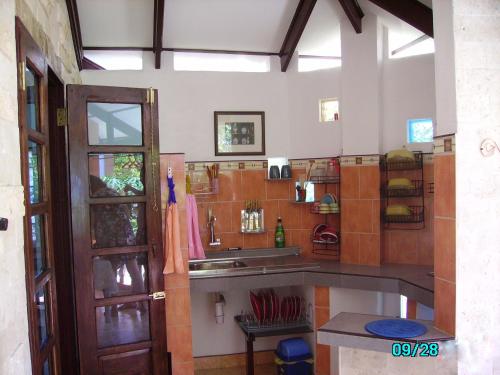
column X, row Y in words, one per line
column 279, row 235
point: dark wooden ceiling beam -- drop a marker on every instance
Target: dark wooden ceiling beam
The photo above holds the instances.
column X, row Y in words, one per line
column 297, row 26
column 76, row 33
column 90, row 65
column 159, row 13
column 353, row 12
column 412, row 12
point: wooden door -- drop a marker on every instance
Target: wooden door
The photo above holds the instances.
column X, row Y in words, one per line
column 116, row 226
column 38, row 220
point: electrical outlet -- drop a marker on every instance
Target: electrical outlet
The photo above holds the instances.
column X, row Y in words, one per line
column 4, row 223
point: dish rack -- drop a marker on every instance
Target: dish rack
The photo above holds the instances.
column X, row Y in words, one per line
column 331, row 216
column 257, row 327
column 411, row 196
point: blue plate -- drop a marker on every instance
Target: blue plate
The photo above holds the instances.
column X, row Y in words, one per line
column 396, row 328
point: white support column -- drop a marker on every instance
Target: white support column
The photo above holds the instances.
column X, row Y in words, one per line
column 361, row 99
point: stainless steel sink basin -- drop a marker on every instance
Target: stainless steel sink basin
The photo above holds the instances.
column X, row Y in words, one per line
column 218, row 265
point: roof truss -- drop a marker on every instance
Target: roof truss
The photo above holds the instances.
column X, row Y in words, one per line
column 297, row 26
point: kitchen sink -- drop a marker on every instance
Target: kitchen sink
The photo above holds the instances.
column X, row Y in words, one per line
column 219, row 265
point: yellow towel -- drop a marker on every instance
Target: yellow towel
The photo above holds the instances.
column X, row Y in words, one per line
column 400, row 183
column 174, row 262
column 398, row 210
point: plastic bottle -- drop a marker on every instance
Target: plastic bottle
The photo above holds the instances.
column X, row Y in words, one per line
column 279, row 234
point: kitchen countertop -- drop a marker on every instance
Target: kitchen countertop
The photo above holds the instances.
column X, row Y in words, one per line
column 283, row 267
column 348, row 330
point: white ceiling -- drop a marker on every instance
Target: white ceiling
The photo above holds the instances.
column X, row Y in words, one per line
column 116, row 23
column 244, row 25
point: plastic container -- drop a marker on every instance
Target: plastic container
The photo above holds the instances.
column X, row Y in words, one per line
column 294, row 368
column 294, row 357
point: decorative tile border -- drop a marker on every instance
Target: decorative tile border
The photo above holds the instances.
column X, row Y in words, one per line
column 444, row 144
column 253, row 164
column 345, row 161
column 363, row 160
column 428, row 158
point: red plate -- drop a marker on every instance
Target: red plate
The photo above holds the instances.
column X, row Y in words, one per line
column 256, row 306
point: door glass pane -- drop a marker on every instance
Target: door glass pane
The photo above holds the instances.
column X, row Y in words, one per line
column 122, row 324
column 114, row 225
column 32, row 95
column 114, row 124
column 116, row 174
column 38, row 243
column 120, row 275
column 35, row 171
column 46, row 367
column 42, row 312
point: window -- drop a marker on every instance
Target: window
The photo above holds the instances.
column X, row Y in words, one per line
column 328, row 110
column 312, row 63
column 420, row 130
column 220, row 62
column 116, row 60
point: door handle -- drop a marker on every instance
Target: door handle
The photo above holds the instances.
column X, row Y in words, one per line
column 158, row 295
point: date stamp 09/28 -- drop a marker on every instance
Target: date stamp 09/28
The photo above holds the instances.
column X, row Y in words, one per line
column 419, row 349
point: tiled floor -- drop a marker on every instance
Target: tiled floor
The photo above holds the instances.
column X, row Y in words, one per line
column 259, row 369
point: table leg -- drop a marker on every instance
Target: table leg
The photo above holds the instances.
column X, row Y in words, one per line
column 250, row 340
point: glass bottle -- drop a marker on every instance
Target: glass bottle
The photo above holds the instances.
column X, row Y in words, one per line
column 279, row 234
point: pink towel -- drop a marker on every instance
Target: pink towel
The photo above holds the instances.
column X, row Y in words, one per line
column 174, row 263
column 194, row 240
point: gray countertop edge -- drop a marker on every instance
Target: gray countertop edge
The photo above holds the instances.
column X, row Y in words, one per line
column 314, row 277
column 347, row 330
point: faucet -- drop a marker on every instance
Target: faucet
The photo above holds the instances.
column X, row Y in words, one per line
column 214, row 242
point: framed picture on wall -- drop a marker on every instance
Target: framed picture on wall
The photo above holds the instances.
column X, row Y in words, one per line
column 239, row 133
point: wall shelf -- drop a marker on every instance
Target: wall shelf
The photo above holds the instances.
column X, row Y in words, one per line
column 417, row 216
column 404, row 165
column 416, row 190
column 413, row 195
column 330, row 249
column 318, row 180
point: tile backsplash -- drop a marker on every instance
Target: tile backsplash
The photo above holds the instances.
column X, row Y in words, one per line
column 239, row 183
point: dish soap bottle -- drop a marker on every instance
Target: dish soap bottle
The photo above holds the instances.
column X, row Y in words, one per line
column 279, row 234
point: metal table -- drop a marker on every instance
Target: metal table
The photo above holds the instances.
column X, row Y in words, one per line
column 254, row 331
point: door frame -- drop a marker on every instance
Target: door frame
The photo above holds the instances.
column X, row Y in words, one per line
column 29, row 54
column 61, row 212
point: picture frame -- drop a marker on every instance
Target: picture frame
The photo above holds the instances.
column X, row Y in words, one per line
column 239, row 133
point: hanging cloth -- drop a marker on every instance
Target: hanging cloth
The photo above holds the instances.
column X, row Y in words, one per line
column 174, row 262
column 195, row 245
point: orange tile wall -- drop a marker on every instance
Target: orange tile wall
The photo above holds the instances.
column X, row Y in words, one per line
column 412, row 246
column 322, row 316
column 178, row 300
column 360, row 206
column 444, row 242
column 275, row 197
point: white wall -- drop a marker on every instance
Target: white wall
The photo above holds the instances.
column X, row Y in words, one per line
column 309, row 137
column 445, row 67
column 291, row 102
column 477, row 82
column 360, row 107
column 210, row 338
column 409, row 93
column 187, row 101
column 14, row 340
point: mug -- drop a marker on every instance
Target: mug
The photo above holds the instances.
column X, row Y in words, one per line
column 286, row 171
column 274, row 172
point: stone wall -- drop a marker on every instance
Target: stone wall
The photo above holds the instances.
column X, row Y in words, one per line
column 47, row 21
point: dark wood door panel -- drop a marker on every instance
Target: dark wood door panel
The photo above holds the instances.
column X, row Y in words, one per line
column 132, row 363
column 118, row 257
